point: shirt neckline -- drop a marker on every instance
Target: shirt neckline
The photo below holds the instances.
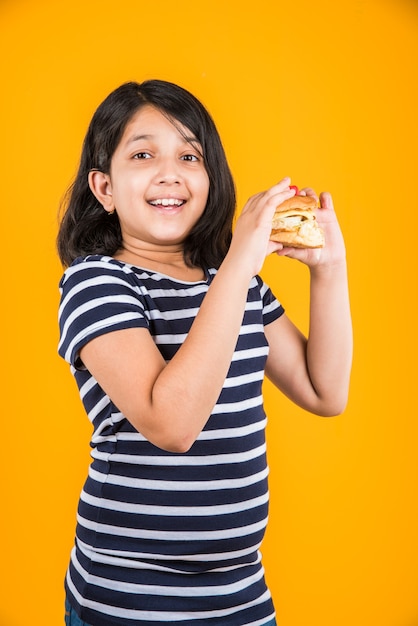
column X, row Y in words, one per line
column 151, row 272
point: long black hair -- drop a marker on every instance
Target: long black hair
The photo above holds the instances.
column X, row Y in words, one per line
column 86, row 228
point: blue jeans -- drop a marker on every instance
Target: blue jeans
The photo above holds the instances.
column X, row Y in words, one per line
column 71, row 617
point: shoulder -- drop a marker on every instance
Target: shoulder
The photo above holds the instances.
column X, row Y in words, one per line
column 99, row 273
column 97, row 280
column 93, row 265
column 98, row 295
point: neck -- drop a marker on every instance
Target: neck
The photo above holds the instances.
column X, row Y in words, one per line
column 168, row 261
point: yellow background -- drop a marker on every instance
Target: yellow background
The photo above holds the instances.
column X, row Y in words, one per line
column 325, row 92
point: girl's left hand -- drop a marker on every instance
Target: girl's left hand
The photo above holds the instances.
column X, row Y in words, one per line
column 334, row 249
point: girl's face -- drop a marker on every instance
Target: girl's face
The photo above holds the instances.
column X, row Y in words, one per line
column 158, row 182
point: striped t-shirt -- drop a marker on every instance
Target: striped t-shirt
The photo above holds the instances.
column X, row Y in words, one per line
column 165, row 537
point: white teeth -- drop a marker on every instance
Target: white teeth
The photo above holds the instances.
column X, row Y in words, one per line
column 167, row 202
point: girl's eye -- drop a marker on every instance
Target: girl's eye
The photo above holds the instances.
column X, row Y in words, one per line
column 142, row 155
column 189, row 157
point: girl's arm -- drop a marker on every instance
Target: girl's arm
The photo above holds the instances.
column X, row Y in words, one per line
column 315, row 372
column 169, row 403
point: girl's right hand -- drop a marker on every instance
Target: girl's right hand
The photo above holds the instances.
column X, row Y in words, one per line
column 251, row 238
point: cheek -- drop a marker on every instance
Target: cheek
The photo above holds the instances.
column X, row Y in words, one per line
column 204, row 186
column 127, row 188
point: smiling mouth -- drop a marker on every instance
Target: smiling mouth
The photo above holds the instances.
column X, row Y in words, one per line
column 167, row 202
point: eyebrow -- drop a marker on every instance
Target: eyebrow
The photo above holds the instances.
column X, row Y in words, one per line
column 187, row 139
column 138, row 138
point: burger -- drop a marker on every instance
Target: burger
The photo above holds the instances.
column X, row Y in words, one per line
column 295, row 224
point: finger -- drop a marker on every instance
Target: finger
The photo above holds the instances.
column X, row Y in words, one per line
column 274, row 197
column 284, row 182
column 308, row 191
column 325, row 200
column 274, row 246
column 282, row 185
column 289, row 249
column 281, row 190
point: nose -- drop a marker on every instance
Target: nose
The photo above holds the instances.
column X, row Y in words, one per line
column 168, row 171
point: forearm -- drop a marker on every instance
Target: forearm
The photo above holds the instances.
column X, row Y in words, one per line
column 188, row 387
column 329, row 346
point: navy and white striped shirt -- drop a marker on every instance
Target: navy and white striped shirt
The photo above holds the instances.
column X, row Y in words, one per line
column 165, row 537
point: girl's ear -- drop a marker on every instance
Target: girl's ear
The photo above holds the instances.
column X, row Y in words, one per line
column 101, row 187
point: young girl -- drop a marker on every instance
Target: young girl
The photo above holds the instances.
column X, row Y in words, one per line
column 169, row 331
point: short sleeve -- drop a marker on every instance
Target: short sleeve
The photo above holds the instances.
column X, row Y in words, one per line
column 272, row 308
column 97, row 297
